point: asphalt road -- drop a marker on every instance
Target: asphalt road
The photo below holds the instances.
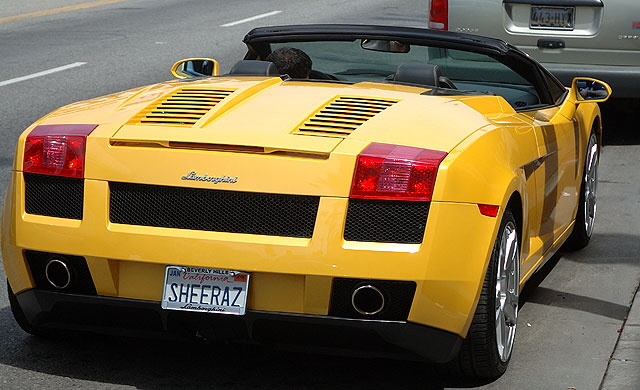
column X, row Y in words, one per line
column 571, row 312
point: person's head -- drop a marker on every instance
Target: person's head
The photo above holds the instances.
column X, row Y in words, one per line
column 291, row 61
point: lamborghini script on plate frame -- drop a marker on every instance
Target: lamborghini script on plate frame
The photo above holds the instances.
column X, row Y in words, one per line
column 205, row 290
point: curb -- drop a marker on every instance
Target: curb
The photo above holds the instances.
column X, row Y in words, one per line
column 623, row 371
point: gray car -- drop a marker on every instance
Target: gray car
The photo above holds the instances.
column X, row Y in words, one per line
column 596, row 38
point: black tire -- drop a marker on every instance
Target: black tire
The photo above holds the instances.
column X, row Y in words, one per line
column 480, row 355
column 585, row 217
column 19, row 316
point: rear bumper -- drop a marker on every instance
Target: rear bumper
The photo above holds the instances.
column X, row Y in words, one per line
column 288, row 274
column 624, row 80
column 49, row 309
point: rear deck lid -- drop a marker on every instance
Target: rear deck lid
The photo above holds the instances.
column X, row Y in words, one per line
column 219, row 117
column 257, row 118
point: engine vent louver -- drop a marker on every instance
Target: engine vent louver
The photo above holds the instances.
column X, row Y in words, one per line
column 342, row 116
column 184, row 107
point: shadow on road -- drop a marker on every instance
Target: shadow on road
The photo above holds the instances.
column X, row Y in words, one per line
column 617, row 118
column 609, row 248
column 551, row 297
column 162, row 364
column 597, row 253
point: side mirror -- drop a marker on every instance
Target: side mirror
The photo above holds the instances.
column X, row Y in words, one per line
column 590, row 90
column 195, row 67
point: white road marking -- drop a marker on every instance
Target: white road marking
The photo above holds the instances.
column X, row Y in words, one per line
column 40, row 74
column 251, row 18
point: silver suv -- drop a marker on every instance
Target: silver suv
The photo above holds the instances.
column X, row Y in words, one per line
column 596, row 38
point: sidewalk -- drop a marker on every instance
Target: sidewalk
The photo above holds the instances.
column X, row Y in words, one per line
column 623, row 372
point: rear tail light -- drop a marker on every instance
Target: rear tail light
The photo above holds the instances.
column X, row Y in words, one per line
column 396, row 172
column 57, row 150
column 439, row 15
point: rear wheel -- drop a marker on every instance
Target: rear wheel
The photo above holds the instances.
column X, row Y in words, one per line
column 487, row 349
column 586, row 215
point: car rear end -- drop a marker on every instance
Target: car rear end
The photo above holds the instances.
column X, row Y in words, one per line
column 588, row 38
column 150, row 212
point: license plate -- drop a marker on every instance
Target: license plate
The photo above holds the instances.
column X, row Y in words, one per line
column 555, row 18
column 207, row 290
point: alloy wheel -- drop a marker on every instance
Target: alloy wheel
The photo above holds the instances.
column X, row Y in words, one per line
column 507, row 291
column 590, row 185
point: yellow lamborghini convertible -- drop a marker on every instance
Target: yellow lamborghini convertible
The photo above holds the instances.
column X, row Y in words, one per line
column 394, row 201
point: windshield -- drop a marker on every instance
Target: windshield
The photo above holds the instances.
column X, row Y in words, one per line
column 351, row 61
column 446, row 71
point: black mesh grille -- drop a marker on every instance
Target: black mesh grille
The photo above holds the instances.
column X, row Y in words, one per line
column 53, row 196
column 386, row 221
column 398, row 296
column 213, row 210
column 81, row 281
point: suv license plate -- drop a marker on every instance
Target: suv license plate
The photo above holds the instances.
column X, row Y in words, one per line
column 554, row 18
column 207, row 290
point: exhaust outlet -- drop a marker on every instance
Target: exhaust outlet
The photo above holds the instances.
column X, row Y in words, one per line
column 367, row 300
column 58, row 273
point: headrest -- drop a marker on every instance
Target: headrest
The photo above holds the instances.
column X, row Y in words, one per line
column 423, row 74
column 254, row 68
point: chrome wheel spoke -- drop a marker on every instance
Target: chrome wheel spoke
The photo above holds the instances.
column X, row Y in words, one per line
column 511, row 312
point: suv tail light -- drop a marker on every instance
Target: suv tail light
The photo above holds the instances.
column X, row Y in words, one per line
column 395, row 172
column 57, row 150
column 439, row 15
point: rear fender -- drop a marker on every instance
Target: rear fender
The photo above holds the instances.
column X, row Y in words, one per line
column 484, row 169
column 14, row 265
